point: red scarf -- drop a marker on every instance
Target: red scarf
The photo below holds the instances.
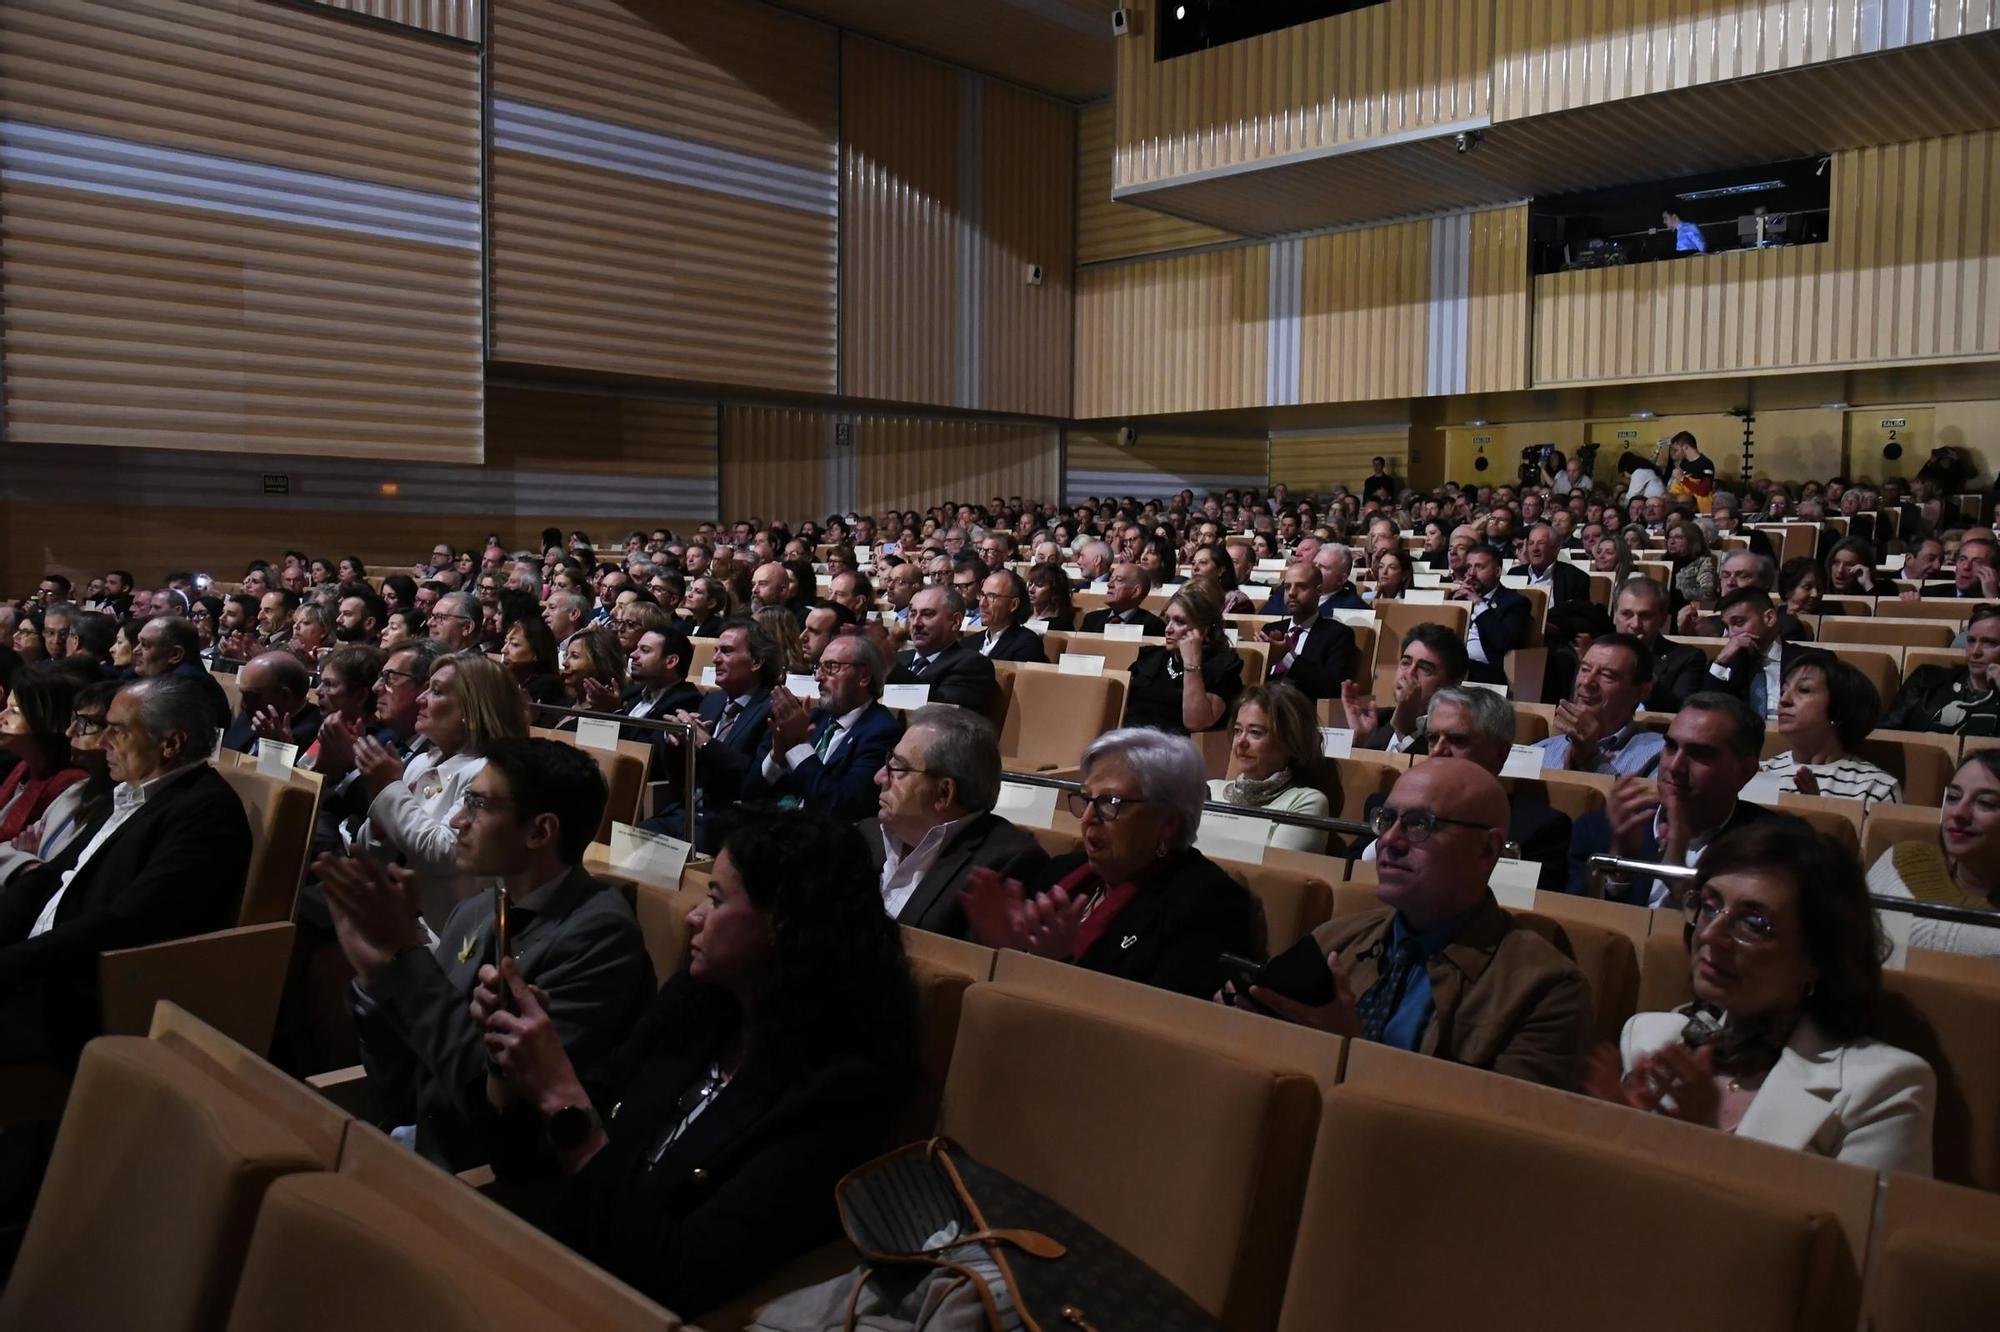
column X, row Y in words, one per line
column 36, row 799
column 1116, row 898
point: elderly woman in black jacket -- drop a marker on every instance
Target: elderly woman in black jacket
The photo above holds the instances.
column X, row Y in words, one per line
column 702, row 1154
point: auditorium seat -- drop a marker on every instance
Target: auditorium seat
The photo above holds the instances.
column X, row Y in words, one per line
column 1842, row 629
column 1915, row 659
column 1052, row 718
column 1380, row 1246
column 1956, row 1028
column 1096, row 1112
column 1838, row 817
column 1294, row 901
column 1937, row 1258
column 1575, row 799
column 1396, row 618
column 1364, row 773
column 702, row 658
column 319, row 1122
column 157, row 1175
column 281, row 817
column 231, row 979
column 624, row 771
column 1921, row 761
column 1938, row 608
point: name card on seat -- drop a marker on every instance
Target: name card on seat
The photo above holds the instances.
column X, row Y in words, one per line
column 1425, row 596
column 1168, row 589
column 1487, row 685
column 1428, row 577
column 906, row 697
column 1080, row 663
column 1336, row 742
column 1235, row 837
column 275, row 758
column 1124, row 632
column 593, row 733
column 649, row 857
column 1513, row 882
column 1515, row 581
column 1896, row 929
column 1038, row 627
column 1027, row 806
column 708, row 677
column 1356, row 619
column 1763, row 789
column 1523, row 761
column 803, row 686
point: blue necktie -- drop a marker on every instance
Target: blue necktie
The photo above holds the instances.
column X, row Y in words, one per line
column 1385, row 996
column 1760, row 694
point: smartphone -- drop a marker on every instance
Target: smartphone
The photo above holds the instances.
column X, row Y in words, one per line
column 1241, row 973
column 501, row 943
column 1300, row 973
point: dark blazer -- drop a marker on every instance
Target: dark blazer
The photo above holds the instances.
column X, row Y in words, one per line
column 1541, row 831
column 1502, row 628
column 305, row 729
column 1017, row 643
column 1679, row 669
column 1324, row 660
column 844, row 785
column 1169, row 936
column 1567, row 583
column 682, row 697
column 426, row 1057
column 1380, row 736
column 1063, row 624
column 1154, row 626
column 174, row 869
column 1593, row 838
column 1742, row 671
column 959, row 676
column 723, row 766
column 983, row 841
column 748, row 1185
column 1345, row 599
column 1920, row 704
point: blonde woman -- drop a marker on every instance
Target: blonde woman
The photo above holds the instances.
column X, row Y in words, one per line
column 1189, row 684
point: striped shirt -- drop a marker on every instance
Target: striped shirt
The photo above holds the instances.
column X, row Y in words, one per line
column 1851, row 777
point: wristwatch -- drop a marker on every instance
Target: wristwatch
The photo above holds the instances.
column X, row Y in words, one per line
column 570, row 1127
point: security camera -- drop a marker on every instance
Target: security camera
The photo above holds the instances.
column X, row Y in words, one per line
column 1128, row 436
column 1124, row 21
column 1467, row 140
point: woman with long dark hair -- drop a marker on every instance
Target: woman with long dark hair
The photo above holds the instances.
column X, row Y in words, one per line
column 701, row 1155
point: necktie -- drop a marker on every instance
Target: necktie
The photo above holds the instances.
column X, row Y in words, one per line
column 1385, row 996
column 1760, row 694
column 826, row 736
column 729, row 716
column 918, row 665
column 1293, row 633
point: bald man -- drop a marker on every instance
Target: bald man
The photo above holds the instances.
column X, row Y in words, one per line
column 1441, row 969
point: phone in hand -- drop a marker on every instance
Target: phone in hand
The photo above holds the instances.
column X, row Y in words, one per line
column 501, row 943
column 1299, row 973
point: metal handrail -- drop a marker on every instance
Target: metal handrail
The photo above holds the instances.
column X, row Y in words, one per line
column 1604, row 866
column 665, row 725
column 1350, row 826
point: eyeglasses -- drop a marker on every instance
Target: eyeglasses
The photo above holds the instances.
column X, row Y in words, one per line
column 478, row 803
column 617, row 623
column 82, row 725
column 1748, row 927
column 450, row 615
column 895, row 767
column 1107, row 807
column 826, row 665
column 1418, row 824
column 389, row 677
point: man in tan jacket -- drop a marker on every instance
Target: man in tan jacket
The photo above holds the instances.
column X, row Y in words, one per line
column 1441, row 969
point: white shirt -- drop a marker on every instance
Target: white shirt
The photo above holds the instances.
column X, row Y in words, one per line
column 774, row 770
column 1773, row 662
column 1543, row 579
column 126, row 801
column 413, row 817
column 643, row 706
column 1473, row 647
column 1696, row 845
column 903, row 870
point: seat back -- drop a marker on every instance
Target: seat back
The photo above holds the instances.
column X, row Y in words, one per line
column 316, row 1120
column 1955, row 1027
column 157, row 1174
column 1366, row 774
column 1929, row 633
column 1373, row 1230
column 1102, row 1116
column 231, row 979
column 1889, row 824
column 624, row 773
column 1937, row 1258
column 1923, row 763
column 1052, row 717
column 1396, row 618
column 1607, row 957
column 281, row 825
column 1294, row 901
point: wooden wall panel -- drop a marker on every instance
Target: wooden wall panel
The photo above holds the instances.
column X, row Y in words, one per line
column 1182, row 334
column 908, row 462
column 1910, row 273
column 774, row 464
column 663, row 191
column 1371, row 74
column 955, row 185
column 1319, row 461
column 1060, row 46
column 1161, row 463
column 1497, row 334
column 1556, row 55
column 158, row 293
column 1107, row 230
column 1366, row 313
column 446, row 18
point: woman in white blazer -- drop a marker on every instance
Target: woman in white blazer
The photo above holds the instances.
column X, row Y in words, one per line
column 1275, row 744
column 1787, row 972
column 469, row 702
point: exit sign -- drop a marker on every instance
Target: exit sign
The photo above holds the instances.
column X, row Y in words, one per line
column 1628, row 434
column 277, row 483
column 1896, row 423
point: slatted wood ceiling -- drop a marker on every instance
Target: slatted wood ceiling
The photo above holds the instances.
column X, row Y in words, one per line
column 1107, row 230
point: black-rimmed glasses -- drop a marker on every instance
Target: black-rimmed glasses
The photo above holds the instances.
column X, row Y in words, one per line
column 1418, row 824
column 1108, row 807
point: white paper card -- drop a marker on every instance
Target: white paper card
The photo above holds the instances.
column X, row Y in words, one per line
column 1762, row 789
column 1272, row 566
column 907, row 697
column 1080, row 663
column 1515, row 581
column 1232, row 837
column 802, row 686
column 1124, row 633
column 1168, row 589
column 1027, row 806
column 1336, row 741
column 1424, row 596
column 1038, row 626
column 1230, row 633
column 592, row 733
column 648, row 857
column 1356, row 619
column 1258, row 592
column 1428, row 577
column 275, row 759
column 1487, row 685
column 1073, row 571
column 1896, row 929
column 708, row 677
column 1513, row 882
column 1523, row 761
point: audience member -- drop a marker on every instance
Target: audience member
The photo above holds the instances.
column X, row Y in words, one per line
column 940, row 659
column 1752, row 661
column 1317, row 656
column 1564, row 582
column 1639, row 610
column 75, row 814
column 730, row 725
column 826, row 758
column 34, row 730
column 1275, row 748
column 1960, row 869
column 1955, row 700
column 455, row 622
column 1499, row 616
column 1189, row 684
column 1825, row 711
column 1003, row 601
column 1594, row 727
column 1049, row 600
column 1123, row 603
column 1432, row 658
column 529, row 654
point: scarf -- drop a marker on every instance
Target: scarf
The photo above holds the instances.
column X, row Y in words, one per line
column 1258, row 792
column 1926, row 871
column 1082, row 882
column 21, row 814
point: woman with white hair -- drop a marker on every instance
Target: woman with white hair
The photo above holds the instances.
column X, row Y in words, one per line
column 1138, row 902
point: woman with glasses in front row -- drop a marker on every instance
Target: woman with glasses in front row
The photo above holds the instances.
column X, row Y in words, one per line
column 1786, row 971
column 1138, row 902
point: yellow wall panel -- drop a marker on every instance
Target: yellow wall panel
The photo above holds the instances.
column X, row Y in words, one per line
column 1317, row 462
column 1107, row 230
column 1366, row 313
column 1026, row 330
column 1497, row 332
column 774, row 463
column 908, row 462
column 1183, row 334
column 1159, row 463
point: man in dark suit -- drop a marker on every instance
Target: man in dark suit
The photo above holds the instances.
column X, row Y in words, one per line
column 1309, row 651
column 274, row 684
column 1003, row 597
column 1499, row 616
column 1123, row 596
column 1433, row 658
column 826, row 759
column 935, row 822
column 1975, row 572
column 940, row 658
column 729, row 726
column 1679, row 669
column 169, row 863
column 1478, row 725
column 1713, row 748
column 527, row 819
column 169, row 645
column 1751, row 664
column 1564, row 582
column 1335, row 563
column 658, row 666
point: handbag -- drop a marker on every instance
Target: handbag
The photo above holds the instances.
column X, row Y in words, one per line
column 954, row 1246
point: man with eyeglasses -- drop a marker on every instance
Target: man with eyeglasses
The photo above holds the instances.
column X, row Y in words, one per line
column 344, row 797
column 825, row 759
column 454, row 622
column 525, row 823
column 80, row 809
column 1124, row 603
column 1713, row 749
column 1002, row 597
column 940, row 658
column 1441, row 969
column 934, row 822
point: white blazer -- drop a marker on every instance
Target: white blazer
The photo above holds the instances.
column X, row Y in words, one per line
column 412, row 818
column 1865, row 1103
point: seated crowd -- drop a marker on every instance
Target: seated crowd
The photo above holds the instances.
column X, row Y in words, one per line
column 686, row 1131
